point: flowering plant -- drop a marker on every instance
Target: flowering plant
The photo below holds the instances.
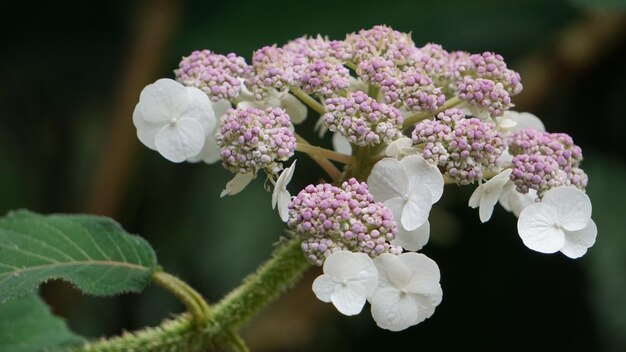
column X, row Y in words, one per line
column 405, row 121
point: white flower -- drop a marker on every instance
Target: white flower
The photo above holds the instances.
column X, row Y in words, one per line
column 400, row 148
column 412, row 240
column 348, row 279
column 561, row 222
column 211, row 152
column 280, row 195
column 237, row 184
column 173, row 119
column 514, row 201
column 408, row 187
column 408, row 290
column 487, row 194
column 341, row 144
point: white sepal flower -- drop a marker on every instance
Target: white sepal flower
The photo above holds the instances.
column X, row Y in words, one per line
column 408, row 290
column 237, row 184
column 348, row 279
column 280, row 195
column 173, row 119
column 487, row 194
column 341, row 144
column 514, row 201
column 521, row 121
column 561, row 222
column 408, row 187
column 400, row 148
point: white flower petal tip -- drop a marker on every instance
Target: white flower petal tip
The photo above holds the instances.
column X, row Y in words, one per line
column 561, row 222
column 412, row 240
column 514, row 201
column 400, row 148
column 408, row 291
column 522, row 120
column 408, row 187
column 237, row 184
column 173, row 119
column 486, row 195
column 280, row 195
column 348, row 279
column 341, row 144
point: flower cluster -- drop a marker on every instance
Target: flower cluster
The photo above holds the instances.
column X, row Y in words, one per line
column 252, row 139
column 542, row 161
column 463, row 147
column 363, row 120
column 331, row 219
column 368, row 88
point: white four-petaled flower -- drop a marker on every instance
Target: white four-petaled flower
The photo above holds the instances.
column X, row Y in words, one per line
column 408, row 290
column 409, row 188
column 486, row 195
column 348, row 279
column 173, row 119
column 561, row 222
column 280, row 195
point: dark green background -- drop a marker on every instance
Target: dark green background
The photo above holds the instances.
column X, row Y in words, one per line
column 61, row 65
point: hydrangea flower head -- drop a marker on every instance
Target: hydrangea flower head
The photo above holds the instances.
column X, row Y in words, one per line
column 219, row 76
column 324, row 78
column 274, row 68
column 484, row 96
column 363, row 120
column 341, row 218
column 253, row 139
column 380, row 41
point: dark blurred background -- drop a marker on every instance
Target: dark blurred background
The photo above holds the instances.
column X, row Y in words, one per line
column 72, row 72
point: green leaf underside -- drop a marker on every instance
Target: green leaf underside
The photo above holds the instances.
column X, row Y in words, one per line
column 26, row 325
column 94, row 253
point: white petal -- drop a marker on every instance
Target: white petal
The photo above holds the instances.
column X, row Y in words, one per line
column 387, row 180
column 199, row 108
column 181, row 140
column 280, row 195
column 237, row 184
column 396, row 205
column 220, row 107
column 519, row 201
column 487, row 203
column 347, row 301
column 577, row 242
column 412, row 240
column 163, row 100
column 474, row 200
column 210, row 152
column 420, row 172
column 341, row 144
column 323, row 287
column 538, row 227
column 296, row 110
column 524, row 120
column 424, row 274
column 399, row 148
column 417, row 207
column 392, row 272
column 346, row 265
column 250, row 104
column 573, row 206
column 284, row 198
column 393, row 310
column 146, row 131
column 505, row 123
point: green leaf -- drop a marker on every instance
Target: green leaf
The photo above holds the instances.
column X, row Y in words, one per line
column 27, row 325
column 94, row 253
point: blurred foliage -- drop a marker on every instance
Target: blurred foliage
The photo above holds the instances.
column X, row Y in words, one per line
column 61, row 67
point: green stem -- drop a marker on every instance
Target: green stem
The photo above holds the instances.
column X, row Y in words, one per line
column 307, row 99
column 323, row 152
column 272, row 278
column 324, row 163
column 372, row 91
column 413, row 119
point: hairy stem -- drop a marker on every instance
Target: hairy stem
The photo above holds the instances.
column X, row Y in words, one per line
column 272, row 278
column 307, row 99
column 193, row 301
